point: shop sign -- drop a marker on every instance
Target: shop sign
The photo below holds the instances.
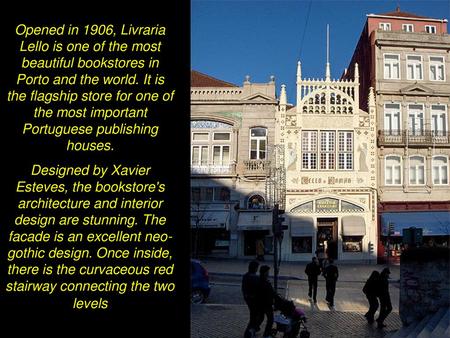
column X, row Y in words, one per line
column 327, row 204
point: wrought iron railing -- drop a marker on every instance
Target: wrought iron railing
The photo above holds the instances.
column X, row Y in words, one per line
column 421, row 137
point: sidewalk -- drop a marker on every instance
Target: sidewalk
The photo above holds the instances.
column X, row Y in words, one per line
column 229, row 321
column 345, row 320
column 296, row 270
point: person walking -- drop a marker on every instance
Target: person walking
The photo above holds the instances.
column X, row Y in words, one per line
column 266, row 296
column 370, row 289
column 313, row 271
column 250, row 285
column 385, row 297
column 260, row 249
column 331, row 275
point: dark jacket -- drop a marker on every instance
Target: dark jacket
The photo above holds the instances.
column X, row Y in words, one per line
column 331, row 273
column 266, row 293
column 383, row 288
column 250, row 286
column 312, row 271
column 372, row 286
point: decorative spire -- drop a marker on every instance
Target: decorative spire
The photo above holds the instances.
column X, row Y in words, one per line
column 299, row 71
column 283, row 97
column 327, row 68
column 356, row 71
column 371, row 98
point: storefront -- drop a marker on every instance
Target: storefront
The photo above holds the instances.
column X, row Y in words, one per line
column 435, row 227
column 210, row 231
column 254, row 225
column 330, row 227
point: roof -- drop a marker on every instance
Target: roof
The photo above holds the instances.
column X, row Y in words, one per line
column 401, row 14
column 202, row 80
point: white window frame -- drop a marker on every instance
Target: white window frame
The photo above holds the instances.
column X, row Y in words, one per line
column 258, row 140
column 310, row 150
column 400, row 166
column 440, row 167
column 408, row 27
column 417, row 67
column 391, row 65
column 200, row 162
column 413, row 124
column 439, row 126
column 416, row 169
column 430, row 29
column 385, row 26
column 437, row 65
column 346, row 150
column 390, row 112
column 327, row 150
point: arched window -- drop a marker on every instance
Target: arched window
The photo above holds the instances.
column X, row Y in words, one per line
column 393, row 170
column 440, row 170
column 256, row 202
column 416, row 170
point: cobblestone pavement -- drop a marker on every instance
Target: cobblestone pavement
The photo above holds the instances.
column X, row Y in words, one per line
column 229, row 321
column 348, row 298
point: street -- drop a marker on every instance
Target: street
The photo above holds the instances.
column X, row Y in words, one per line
column 225, row 315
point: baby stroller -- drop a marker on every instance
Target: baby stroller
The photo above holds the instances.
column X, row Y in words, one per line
column 290, row 320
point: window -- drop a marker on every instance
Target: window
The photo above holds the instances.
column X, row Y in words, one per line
column 416, row 170
column 437, row 70
column 438, row 120
column 386, row 26
column 221, row 155
column 255, row 202
column 430, row 29
column 414, row 67
column 393, row 170
column 195, row 194
column 327, row 150
column 199, row 155
column 221, row 194
column 391, row 66
column 200, row 136
column 440, row 170
column 352, row 243
column 209, row 194
column 309, row 149
column 302, row 244
column 210, row 147
column 345, row 151
column 408, row 28
column 415, row 119
column 258, row 143
column 392, row 119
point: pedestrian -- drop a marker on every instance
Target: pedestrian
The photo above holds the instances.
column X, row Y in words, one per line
column 384, row 296
column 331, row 275
column 266, row 297
column 313, row 271
column 260, row 249
column 250, row 285
column 370, row 289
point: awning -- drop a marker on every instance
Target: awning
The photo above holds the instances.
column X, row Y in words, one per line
column 255, row 220
column 302, row 226
column 433, row 223
column 353, row 226
column 210, row 219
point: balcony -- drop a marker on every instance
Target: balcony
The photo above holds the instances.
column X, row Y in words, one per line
column 256, row 168
column 410, row 138
column 213, row 169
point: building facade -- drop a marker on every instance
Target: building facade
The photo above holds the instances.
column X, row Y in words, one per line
column 232, row 134
column 330, row 161
column 405, row 58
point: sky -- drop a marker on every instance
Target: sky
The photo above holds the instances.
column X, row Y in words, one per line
column 231, row 39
